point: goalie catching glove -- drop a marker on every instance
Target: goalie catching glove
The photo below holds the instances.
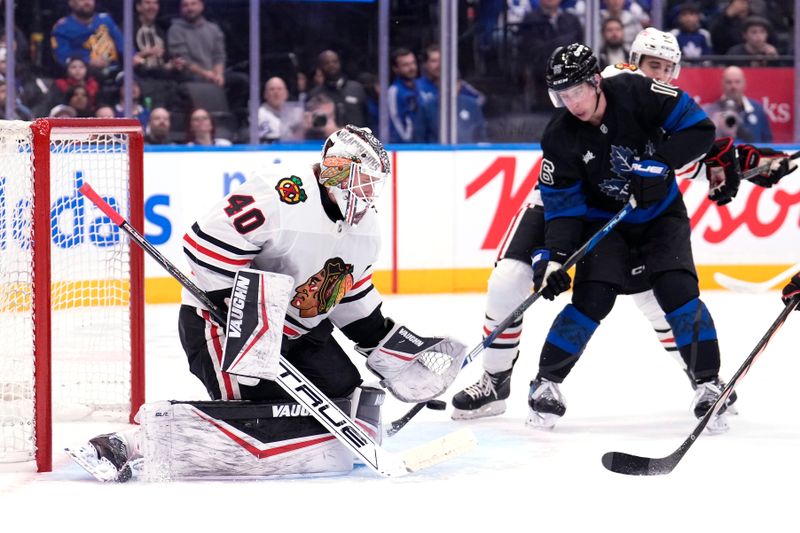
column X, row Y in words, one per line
column 414, row 368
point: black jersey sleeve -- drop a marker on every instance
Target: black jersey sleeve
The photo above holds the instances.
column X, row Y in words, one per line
column 688, row 132
column 561, row 187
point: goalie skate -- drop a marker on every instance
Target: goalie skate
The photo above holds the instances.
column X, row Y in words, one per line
column 484, row 398
column 105, row 457
column 546, row 404
column 705, row 396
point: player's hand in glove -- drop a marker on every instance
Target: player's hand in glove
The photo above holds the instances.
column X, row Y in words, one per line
column 791, row 290
column 548, row 274
column 649, row 181
column 752, row 156
column 723, row 171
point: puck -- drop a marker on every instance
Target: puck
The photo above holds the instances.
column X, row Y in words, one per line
column 436, row 405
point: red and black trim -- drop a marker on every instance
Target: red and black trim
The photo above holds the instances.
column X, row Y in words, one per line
column 222, row 244
column 208, row 266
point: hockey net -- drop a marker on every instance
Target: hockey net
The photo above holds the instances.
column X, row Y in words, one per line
column 71, row 286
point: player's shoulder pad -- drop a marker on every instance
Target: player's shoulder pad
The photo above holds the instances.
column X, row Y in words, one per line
column 620, row 68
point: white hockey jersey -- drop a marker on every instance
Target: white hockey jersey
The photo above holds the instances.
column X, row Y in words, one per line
column 276, row 223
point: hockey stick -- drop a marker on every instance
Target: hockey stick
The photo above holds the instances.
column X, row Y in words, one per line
column 634, row 465
column 397, row 425
column 753, row 172
column 739, row 285
column 306, row 393
column 516, row 313
column 587, row 247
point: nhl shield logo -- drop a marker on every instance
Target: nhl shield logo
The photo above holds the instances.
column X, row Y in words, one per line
column 290, row 190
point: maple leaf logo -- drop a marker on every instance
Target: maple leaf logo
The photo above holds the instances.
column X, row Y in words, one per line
column 616, row 188
column 621, row 159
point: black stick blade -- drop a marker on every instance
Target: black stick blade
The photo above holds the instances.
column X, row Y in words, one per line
column 633, row 465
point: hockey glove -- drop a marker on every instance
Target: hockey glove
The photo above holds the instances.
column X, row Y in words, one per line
column 751, row 157
column 723, row 171
column 791, row 290
column 649, row 181
column 548, row 276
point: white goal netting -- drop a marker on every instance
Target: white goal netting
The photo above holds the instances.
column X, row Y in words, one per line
column 90, row 290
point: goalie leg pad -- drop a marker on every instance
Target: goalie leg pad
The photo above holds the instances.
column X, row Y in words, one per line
column 256, row 315
column 223, row 440
column 365, row 409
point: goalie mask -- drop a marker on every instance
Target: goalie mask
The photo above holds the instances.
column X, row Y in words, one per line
column 354, row 168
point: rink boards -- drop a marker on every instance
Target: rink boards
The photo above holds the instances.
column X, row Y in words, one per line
column 446, row 211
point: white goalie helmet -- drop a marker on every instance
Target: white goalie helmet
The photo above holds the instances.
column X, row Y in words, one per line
column 656, row 43
column 354, row 168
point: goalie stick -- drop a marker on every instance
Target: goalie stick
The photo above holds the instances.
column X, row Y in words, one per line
column 306, row 393
column 634, row 465
column 398, row 424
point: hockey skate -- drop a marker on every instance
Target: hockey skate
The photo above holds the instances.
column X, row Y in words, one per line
column 484, row 398
column 546, row 403
column 729, row 407
column 704, row 397
column 105, row 457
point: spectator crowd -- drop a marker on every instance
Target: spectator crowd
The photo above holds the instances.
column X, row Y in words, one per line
column 186, row 89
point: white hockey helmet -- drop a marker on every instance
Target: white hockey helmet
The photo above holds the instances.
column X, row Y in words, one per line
column 354, row 168
column 656, row 43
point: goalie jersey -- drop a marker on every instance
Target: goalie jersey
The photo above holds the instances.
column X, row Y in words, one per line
column 278, row 223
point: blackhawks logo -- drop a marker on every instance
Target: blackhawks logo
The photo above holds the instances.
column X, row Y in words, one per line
column 323, row 290
column 290, row 190
column 626, row 66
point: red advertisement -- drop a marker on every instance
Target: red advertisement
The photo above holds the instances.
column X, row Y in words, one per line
column 756, row 215
column 773, row 88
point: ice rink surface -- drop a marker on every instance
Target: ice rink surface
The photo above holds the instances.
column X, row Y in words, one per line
column 625, row 394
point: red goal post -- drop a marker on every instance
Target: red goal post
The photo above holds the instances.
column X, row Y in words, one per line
column 71, row 285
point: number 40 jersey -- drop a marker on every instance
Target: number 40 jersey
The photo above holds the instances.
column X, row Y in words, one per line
column 279, row 223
